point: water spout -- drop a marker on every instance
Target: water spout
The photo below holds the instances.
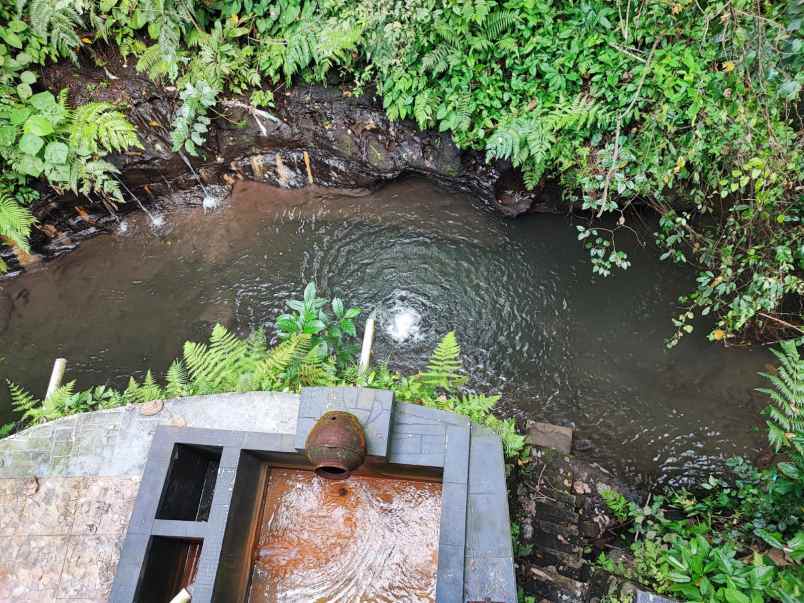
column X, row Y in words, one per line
column 336, row 445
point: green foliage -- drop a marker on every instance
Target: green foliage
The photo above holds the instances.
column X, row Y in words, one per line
column 786, row 412
column 40, row 135
column 312, row 352
column 520, row 549
column 615, row 502
column 6, row 429
column 717, row 546
column 15, row 221
column 191, row 123
column 330, row 334
column 439, row 386
column 444, row 368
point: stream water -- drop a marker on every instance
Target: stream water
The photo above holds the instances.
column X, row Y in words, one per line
column 558, row 343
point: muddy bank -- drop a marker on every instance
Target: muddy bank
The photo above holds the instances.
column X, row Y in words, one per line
column 315, row 135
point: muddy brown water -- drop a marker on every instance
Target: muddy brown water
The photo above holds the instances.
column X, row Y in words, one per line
column 363, row 540
column 558, row 343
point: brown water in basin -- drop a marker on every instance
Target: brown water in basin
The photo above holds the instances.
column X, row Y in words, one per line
column 361, row 540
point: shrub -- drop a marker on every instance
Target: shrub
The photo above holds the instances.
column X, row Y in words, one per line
column 741, row 541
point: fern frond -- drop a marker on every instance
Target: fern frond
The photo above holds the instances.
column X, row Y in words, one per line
column 56, row 21
column 425, row 107
column 177, row 383
column 498, row 23
column 58, row 404
column 444, row 367
column 218, row 366
column 786, row 412
column 21, row 399
column 278, row 369
column 15, row 221
column 99, row 126
column 149, row 390
column 437, row 60
column 299, row 51
column 131, row 393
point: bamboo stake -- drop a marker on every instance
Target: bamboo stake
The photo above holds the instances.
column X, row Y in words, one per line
column 56, row 376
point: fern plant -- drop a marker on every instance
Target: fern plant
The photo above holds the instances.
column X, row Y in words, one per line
column 63, row 401
column 444, row 369
column 786, row 412
column 41, row 136
column 15, row 223
column 56, row 22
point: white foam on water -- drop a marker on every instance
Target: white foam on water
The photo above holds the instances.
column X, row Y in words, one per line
column 403, row 324
column 210, row 202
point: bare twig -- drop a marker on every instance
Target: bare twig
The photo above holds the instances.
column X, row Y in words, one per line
column 784, row 323
column 257, row 114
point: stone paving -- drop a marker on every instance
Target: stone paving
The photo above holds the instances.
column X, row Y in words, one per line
column 67, row 489
column 61, row 536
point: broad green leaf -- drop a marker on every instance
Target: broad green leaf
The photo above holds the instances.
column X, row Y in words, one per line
column 58, row 173
column 295, row 304
column 679, row 577
column 31, row 165
column 789, row 90
column 28, row 77
column 735, row 596
column 790, row 470
column 315, row 326
column 56, row 153
column 11, row 38
column 31, row 143
column 8, row 134
column 771, row 539
column 38, row 125
column 17, row 26
column 18, row 115
column 24, row 91
column 44, row 101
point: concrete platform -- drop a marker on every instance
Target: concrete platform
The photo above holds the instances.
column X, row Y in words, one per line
column 68, row 488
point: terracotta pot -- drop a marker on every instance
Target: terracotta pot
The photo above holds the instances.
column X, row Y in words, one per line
column 336, row 445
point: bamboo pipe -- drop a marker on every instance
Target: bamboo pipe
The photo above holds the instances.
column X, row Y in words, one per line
column 368, row 340
column 56, row 376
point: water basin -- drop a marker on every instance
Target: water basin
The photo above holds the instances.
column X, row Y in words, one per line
column 362, row 540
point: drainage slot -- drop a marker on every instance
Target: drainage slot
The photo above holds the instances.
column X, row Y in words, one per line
column 190, row 485
column 170, row 565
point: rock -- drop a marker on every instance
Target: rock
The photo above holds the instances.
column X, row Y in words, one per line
column 590, row 529
column 154, row 407
column 583, row 445
column 643, row 596
column 581, row 488
column 546, row 435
